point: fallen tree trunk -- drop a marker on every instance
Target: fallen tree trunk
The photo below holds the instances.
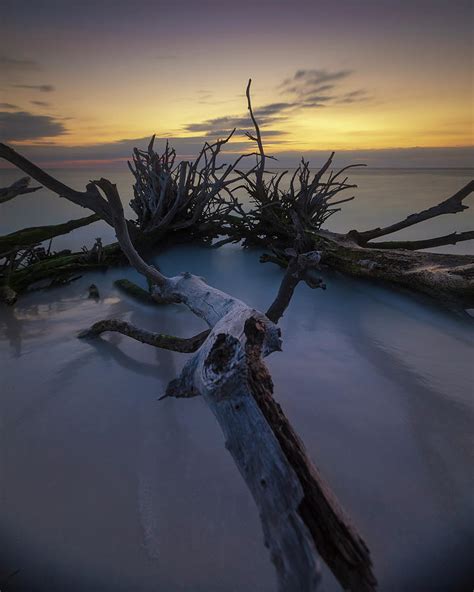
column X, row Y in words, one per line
column 448, row 278
column 38, row 234
column 61, row 265
column 298, row 513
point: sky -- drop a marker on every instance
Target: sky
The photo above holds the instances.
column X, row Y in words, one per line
column 387, row 82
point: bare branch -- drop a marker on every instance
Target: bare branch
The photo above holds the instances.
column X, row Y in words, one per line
column 440, row 241
column 19, row 187
column 170, row 342
column 257, row 138
column 452, row 205
column 297, row 270
column 123, row 236
column 188, row 195
column 87, row 199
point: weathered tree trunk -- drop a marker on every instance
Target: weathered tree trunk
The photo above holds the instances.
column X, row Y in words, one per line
column 448, row 278
column 298, row 513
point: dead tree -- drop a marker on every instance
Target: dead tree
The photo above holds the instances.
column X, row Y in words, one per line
column 170, row 196
column 300, row 517
column 298, row 512
column 184, row 200
column 294, row 217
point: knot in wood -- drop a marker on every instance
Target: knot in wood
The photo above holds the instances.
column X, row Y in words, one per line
column 221, row 353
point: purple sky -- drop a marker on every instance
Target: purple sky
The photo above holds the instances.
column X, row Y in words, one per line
column 87, row 80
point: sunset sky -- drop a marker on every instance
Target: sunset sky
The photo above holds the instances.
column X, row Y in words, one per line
column 89, row 80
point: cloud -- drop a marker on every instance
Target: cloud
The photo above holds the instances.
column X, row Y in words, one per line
column 40, row 103
column 319, row 88
column 356, row 96
column 22, row 125
column 273, row 113
column 40, row 87
column 307, row 82
column 9, row 65
column 9, row 106
column 272, row 109
column 316, row 77
column 310, row 89
column 186, row 148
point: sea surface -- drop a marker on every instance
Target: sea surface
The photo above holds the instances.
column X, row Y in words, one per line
column 105, row 489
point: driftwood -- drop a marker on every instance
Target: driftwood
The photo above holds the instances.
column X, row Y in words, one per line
column 90, row 198
column 33, row 236
column 293, row 218
column 177, row 344
column 299, row 268
column 298, row 512
column 186, row 195
column 19, row 187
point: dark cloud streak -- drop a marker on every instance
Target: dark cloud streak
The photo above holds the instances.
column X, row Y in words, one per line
column 22, row 125
column 13, row 65
column 41, row 87
column 310, row 87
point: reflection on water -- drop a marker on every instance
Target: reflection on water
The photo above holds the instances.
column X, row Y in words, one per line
column 103, row 488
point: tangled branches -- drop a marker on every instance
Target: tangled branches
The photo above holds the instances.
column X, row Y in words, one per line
column 286, row 216
column 169, row 196
column 199, row 200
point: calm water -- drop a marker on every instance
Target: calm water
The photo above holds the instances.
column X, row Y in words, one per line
column 103, row 488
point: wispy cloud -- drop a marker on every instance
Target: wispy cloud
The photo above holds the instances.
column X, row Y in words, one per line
column 270, row 114
column 40, row 103
column 304, row 90
column 356, row 96
column 41, row 87
column 320, row 87
column 22, row 125
column 12, row 65
column 9, row 106
column 186, row 148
